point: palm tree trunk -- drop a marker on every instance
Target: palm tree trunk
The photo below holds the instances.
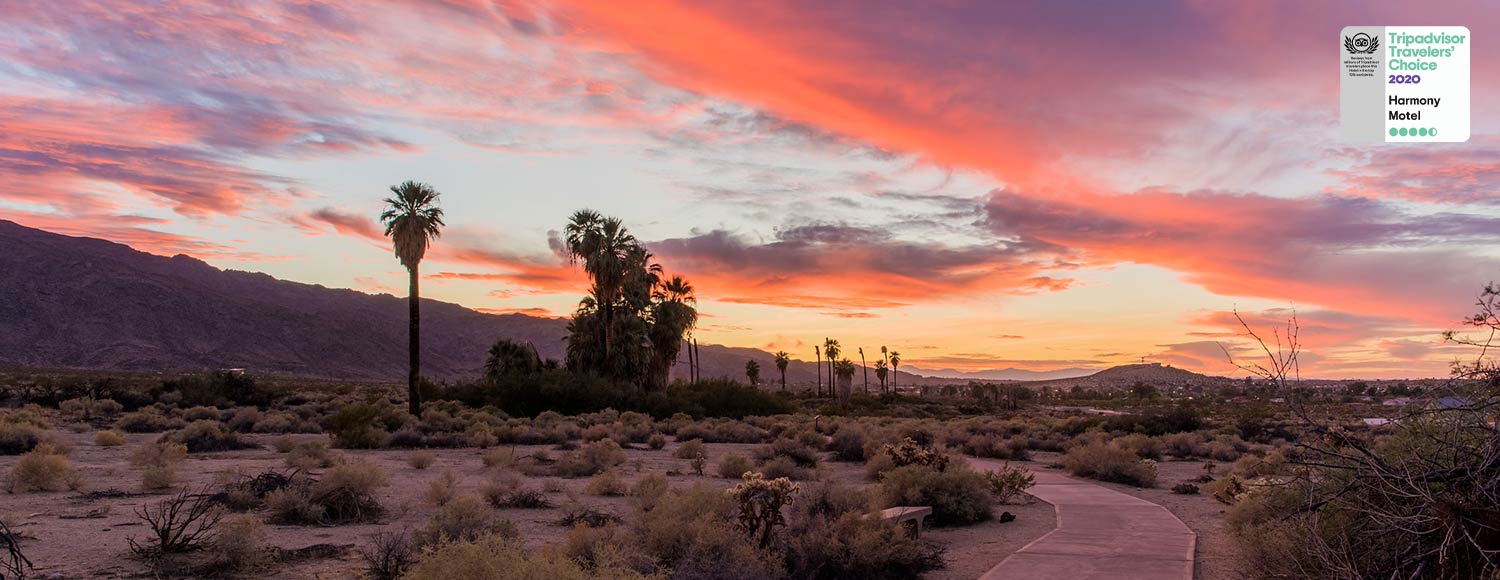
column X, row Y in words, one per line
column 414, row 345
column 692, row 372
column 818, row 366
column 783, row 379
column 866, row 369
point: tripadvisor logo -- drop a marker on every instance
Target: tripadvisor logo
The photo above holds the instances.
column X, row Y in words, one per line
column 1361, row 44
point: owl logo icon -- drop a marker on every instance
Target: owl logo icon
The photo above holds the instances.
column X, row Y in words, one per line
column 1361, row 44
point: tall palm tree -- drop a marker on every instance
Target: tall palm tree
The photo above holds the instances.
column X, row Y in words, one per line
column 782, row 359
column 866, row 369
column 895, row 367
column 884, row 356
column 412, row 220
column 674, row 316
column 881, row 370
column 606, row 250
column 831, row 350
column 819, row 366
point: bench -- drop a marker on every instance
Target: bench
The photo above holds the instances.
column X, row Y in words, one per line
column 907, row 513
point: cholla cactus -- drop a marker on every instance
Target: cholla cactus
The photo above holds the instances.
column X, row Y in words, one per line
column 760, row 501
column 908, row 452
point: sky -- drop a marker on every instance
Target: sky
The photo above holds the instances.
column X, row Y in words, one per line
column 978, row 185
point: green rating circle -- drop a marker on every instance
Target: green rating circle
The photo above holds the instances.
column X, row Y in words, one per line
column 1422, row 132
column 1403, row 131
column 1393, row 131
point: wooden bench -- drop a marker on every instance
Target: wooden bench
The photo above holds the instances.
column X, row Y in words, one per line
column 907, row 513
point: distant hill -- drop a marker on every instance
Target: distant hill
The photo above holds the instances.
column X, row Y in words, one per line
column 1007, row 374
column 72, row 302
column 1126, row 375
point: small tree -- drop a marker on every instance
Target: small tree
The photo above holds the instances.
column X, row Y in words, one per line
column 881, row 370
column 752, row 372
column 782, row 359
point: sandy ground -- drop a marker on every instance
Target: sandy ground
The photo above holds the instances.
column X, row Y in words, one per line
column 1217, row 555
column 74, row 537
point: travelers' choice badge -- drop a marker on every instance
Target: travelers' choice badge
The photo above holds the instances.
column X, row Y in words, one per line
column 1404, row 83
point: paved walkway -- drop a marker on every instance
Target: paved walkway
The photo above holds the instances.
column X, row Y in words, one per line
column 1101, row 533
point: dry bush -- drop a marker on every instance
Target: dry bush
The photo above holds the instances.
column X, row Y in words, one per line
column 464, row 519
column 43, row 469
column 495, row 557
column 693, row 532
column 508, row 492
column 388, row 556
column 108, row 438
column 206, row 435
column 848, row 443
column 442, row 488
column 607, row 483
column 734, row 466
column 608, row 546
column 782, row 466
column 158, row 463
column 284, row 443
column 910, row 452
column 347, row 491
column 308, row 455
column 499, row 457
column 797, row 451
column 421, row 459
column 244, row 419
column 17, row 438
column 178, row 524
column 293, row 506
column 689, row 449
column 957, row 495
column 656, row 441
column 649, row 489
column 147, row 420
column 1143, row 446
column 851, row 545
column 240, row 544
column 590, row 459
column 1109, row 463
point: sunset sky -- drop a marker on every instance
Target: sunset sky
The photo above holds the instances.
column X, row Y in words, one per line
column 975, row 184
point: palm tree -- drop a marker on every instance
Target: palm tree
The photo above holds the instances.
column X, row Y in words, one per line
column 605, row 248
column 412, row 220
column 819, row 363
column 881, row 370
column 673, row 317
column 895, row 367
column 752, row 371
column 885, row 356
column 866, row 369
column 782, row 359
column 831, row 350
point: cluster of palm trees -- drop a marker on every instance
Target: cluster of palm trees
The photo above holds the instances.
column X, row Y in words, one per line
column 631, row 326
column 838, row 368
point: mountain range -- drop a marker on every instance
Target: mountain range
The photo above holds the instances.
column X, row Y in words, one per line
column 74, row 302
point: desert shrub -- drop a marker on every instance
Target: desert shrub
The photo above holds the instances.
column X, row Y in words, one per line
column 590, row 459
column 283, row 443
column 848, row 444
column 910, row 452
column 656, row 441
column 148, row 420
column 798, row 452
column 358, row 426
column 957, row 495
column 293, row 506
column 347, row 492
column 607, row 546
column 388, row 556
column 992, row 446
column 87, row 408
column 308, row 454
column 760, row 503
column 247, row 493
column 464, row 519
column 1272, row 463
column 442, row 488
column 649, row 489
column 577, row 514
column 1009, row 482
column 158, row 462
column 43, row 469
column 688, row 449
column 1110, row 463
column 1185, row 488
column 244, row 419
column 495, row 557
column 878, row 464
column 1143, row 446
column 509, row 493
column 195, row 414
column 206, row 435
column 734, row 466
column 607, row 483
column 179, row 524
column 781, row 466
column 1185, row 445
column 1178, row 419
column 482, row 435
column 240, row 544
column 693, row 532
column 850, row 545
column 420, row 459
column 108, row 438
column 17, row 438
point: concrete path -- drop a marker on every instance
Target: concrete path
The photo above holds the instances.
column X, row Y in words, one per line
column 1101, row 533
